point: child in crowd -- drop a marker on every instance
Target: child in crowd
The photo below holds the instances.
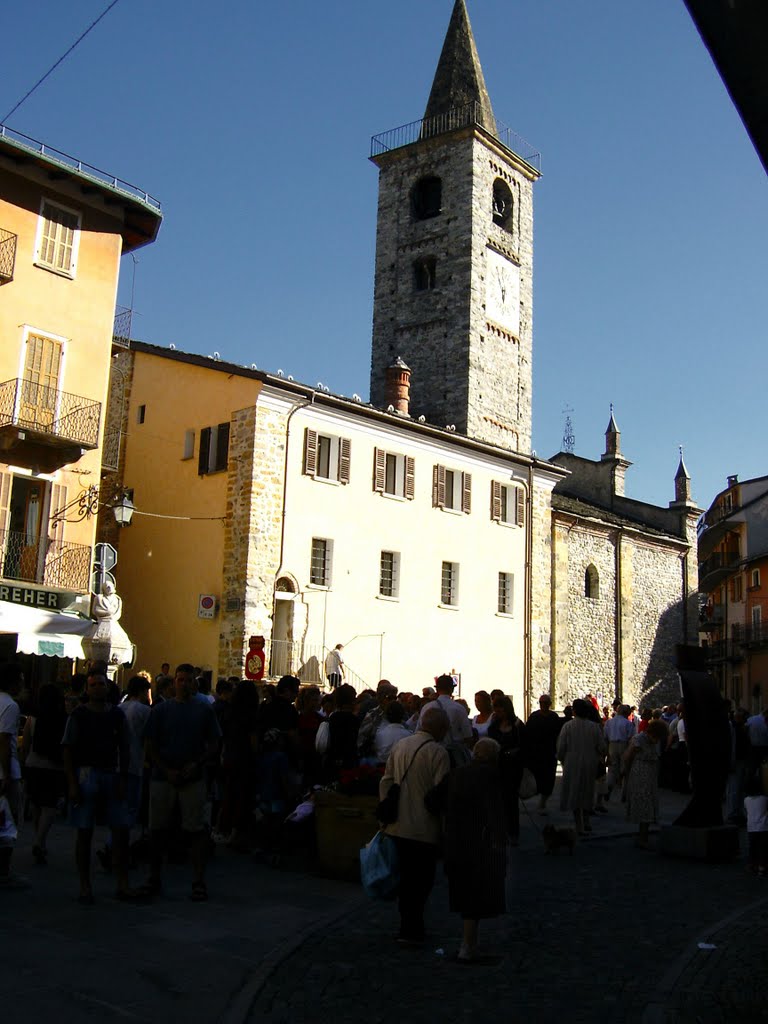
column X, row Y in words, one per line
column 756, row 806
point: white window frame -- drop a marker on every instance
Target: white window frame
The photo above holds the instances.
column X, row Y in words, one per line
column 449, row 584
column 505, row 595
column 755, row 577
column 189, row 445
column 326, row 563
column 389, row 575
column 394, row 475
column 71, row 270
column 510, row 498
column 331, row 444
column 757, row 616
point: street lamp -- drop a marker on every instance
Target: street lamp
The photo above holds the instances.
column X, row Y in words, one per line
column 124, row 509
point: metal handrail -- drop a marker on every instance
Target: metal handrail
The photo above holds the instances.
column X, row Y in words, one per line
column 459, row 117
column 306, row 662
column 56, row 155
column 50, row 411
column 719, row 560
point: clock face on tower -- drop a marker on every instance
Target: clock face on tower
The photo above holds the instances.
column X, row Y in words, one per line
column 502, row 292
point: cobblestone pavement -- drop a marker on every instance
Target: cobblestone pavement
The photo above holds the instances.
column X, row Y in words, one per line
column 610, row 934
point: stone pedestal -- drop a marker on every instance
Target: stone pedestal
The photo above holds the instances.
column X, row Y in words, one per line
column 344, row 825
column 716, row 843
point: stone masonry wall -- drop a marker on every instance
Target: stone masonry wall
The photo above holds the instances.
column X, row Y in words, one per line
column 652, row 595
column 542, row 652
column 586, row 626
column 252, row 532
column 585, row 643
column 464, row 372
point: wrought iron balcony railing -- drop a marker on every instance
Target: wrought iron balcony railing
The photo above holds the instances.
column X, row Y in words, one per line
column 50, row 412
column 54, row 563
column 121, row 332
column 724, row 650
column 755, row 635
column 460, row 117
column 7, row 255
column 719, row 562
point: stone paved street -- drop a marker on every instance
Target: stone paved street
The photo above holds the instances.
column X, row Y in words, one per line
column 610, row 934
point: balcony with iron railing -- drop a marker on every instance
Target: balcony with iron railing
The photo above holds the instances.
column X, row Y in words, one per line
column 715, row 568
column 49, row 413
column 460, row 117
column 121, row 331
column 7, row 255
column 724, row 650
column 755, row 635
column 53, row 563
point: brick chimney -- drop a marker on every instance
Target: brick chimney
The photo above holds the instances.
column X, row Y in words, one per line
column 397, row 387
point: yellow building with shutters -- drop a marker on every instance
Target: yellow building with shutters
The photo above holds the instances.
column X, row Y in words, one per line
column 63, row 228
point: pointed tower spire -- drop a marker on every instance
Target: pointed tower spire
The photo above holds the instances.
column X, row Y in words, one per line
column 459, row 80
column 682, row 482
column 612, row 438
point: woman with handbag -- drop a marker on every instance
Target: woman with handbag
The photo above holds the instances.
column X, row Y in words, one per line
column 508, row 731
column 415, row 766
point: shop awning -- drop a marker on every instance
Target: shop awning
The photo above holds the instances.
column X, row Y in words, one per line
column 45, row 633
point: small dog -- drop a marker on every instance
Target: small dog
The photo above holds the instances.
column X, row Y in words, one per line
column 556, row 838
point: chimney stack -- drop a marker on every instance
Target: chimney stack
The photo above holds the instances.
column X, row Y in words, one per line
column 397, row 389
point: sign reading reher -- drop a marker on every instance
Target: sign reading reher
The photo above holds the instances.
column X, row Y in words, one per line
column 51, row 600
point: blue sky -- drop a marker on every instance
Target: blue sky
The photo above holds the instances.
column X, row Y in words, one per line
column 251, row 123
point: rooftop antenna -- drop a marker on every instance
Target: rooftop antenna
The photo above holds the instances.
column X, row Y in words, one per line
column 569, row 438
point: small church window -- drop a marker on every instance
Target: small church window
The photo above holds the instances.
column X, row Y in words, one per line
column 502, row 205
column 424, row 274
column 427, row 198
column 592, row 583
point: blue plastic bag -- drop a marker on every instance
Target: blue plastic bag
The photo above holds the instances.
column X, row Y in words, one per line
column 379, row 867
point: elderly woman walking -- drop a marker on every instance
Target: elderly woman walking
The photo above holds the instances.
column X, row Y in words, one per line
column 581, row 748
column 475, row 843
column 642, row 761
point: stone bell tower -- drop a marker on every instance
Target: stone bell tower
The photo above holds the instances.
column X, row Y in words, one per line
column 454, row 256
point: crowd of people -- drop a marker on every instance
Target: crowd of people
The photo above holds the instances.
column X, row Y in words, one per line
column 179, row 764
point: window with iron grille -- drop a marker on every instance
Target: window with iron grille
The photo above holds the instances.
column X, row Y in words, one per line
column 449, row 584
column 506, row 593
column 389, row 574
column 214, row 449
column 320, row 564
column 58, row 237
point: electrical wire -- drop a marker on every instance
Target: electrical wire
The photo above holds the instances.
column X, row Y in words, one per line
column 59, row 61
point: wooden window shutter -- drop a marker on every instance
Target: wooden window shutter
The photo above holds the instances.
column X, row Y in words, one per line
column 466, row 492
column 345, row 458
column 379, row 468
column 438, row 487
column 310, row 452
column 205, row 444
column 222, row 446
column 58, row 501
column 6, row 482
column 520, row 497
column 496, row 501
column 410, row 477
